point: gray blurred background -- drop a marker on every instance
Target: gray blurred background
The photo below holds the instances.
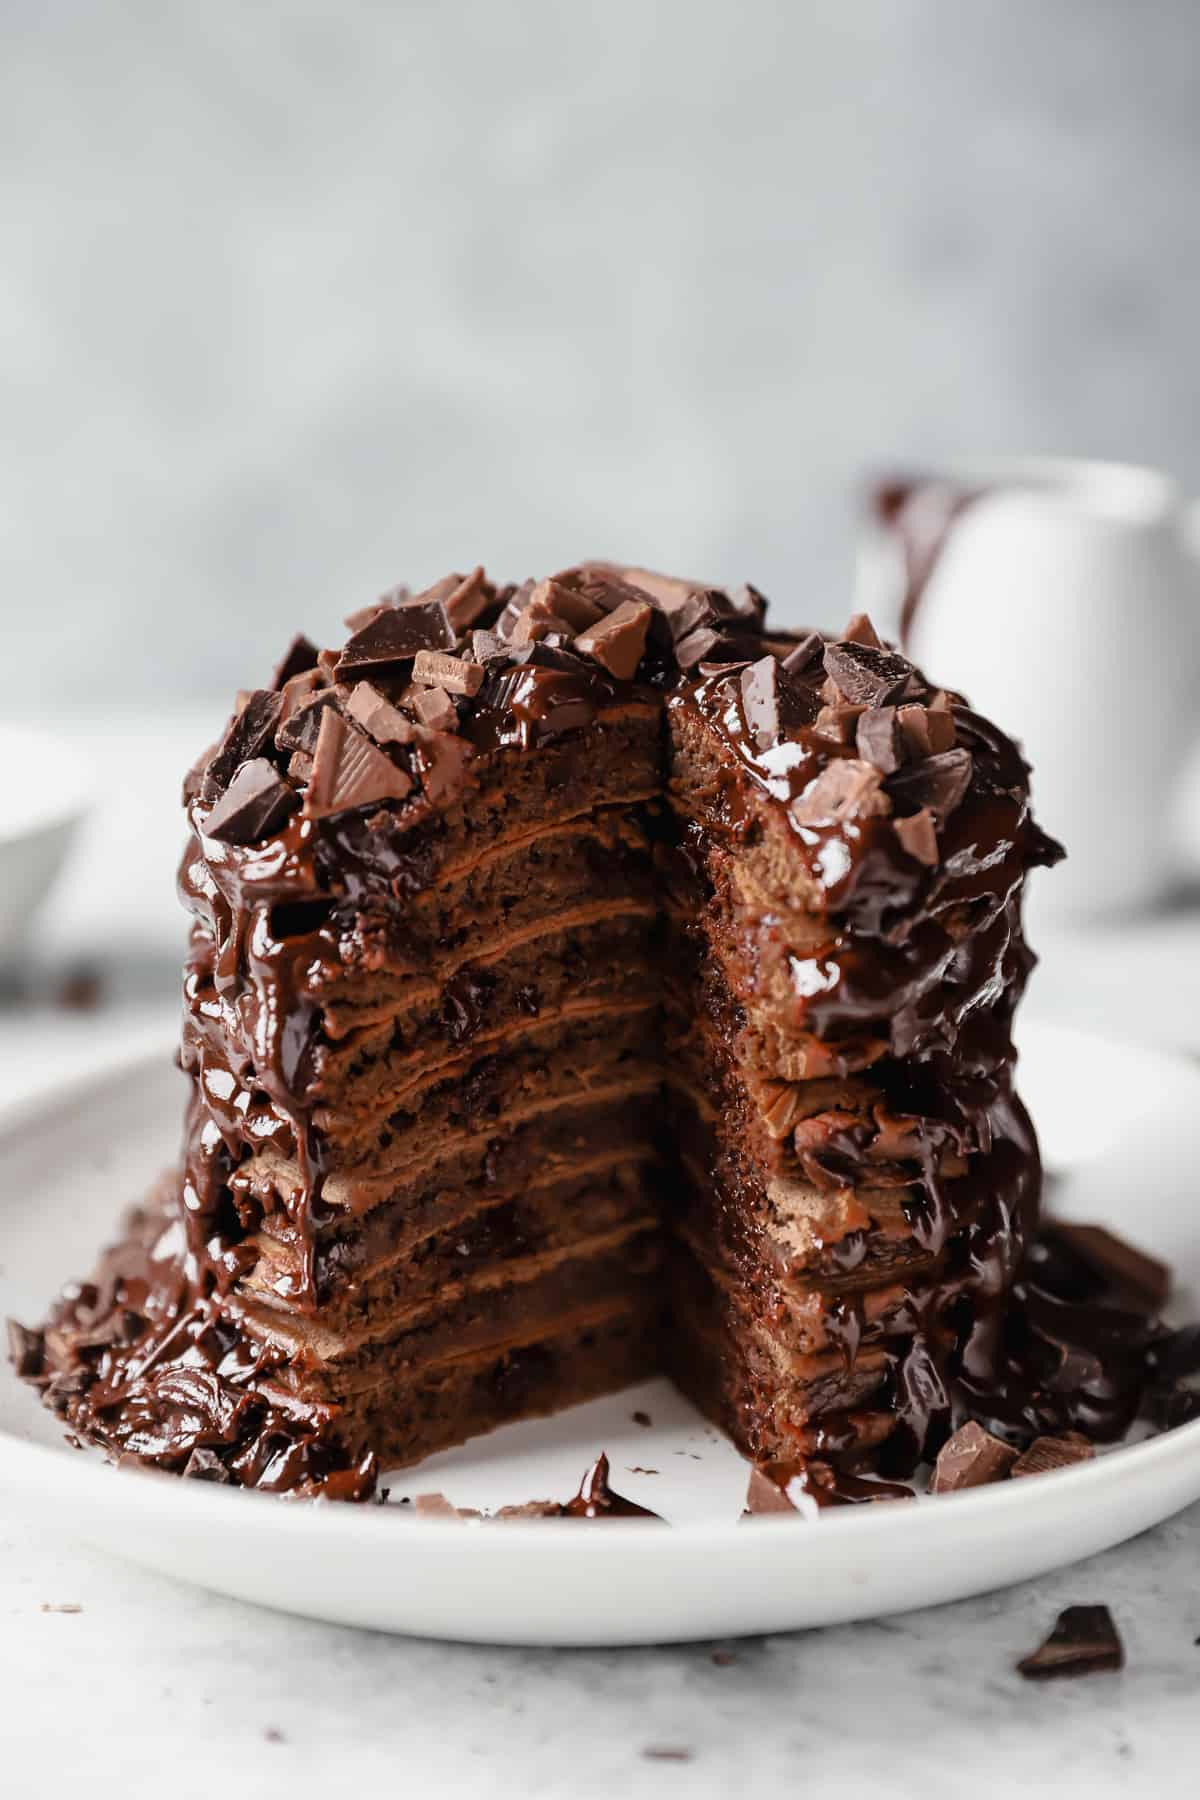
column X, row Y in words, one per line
column 298, row 300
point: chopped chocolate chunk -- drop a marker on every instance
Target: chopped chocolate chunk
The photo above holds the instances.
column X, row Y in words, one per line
column 26, row 1349
column 206, row 1465
column 300, row 768
column 349, row 771
column 878, row 739
column 531, row 626
column 555, row 600
column 391, row 640
column 362, row 615
column 971, row 1458
column 530, row 1509
column 866, row 675
column 249, row 735
column 468, row 599
column 696, row 646
column 806, row 654
column 1136, row 1277
column 926, row 731
column 377, row 716
column 299, row 657
column 940, row 782
column 861, row 631
column 839, row 724
column 918, row 837
column 843, row 790
column 1046, row 1454
column 435, row 668
column 298, row 730
column 486, row 648
column 617, row 641
column 763, row 701
column 766, row 1495
column 1084, row 1641
column 596, row 1499
column 256, row 804
column 435, row 708
column 297, row 690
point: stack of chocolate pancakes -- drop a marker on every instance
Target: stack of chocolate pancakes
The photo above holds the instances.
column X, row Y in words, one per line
column 583, row 981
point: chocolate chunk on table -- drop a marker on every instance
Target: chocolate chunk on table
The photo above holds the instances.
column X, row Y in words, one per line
column 1085, row 1641
column 1046, row 1454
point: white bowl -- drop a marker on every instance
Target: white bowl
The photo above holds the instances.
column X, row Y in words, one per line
column 43, row 798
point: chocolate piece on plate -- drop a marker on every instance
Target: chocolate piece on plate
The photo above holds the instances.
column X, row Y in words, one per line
column 971, row 1458
column 1085, row 1641
column 1046, row 1454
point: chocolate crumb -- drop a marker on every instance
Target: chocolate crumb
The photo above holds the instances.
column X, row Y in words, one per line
column 666, row 1753
column 273, row 1735
column 1046, row 1454
column 26, row 1349
column 60, row 1606
column 723, row 1658
column 1084, row 1641
column 80, row 990
column 642, row 1418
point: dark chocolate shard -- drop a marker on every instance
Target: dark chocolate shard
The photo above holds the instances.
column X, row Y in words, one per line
column 26, row 1350
column 434, row 668
column 362, row 615
column 487, row 648
column 749, row 604
column 845, row 789
column 765, row 1495
column 250, row 734
column 349, row 771
column 617, row 641
column 596, row 1499
column 971, row 1458
column 940, row 782
column 377, row 716
column 1135, row 1277
column 868, row 676
column 806, row 654
column 1046, row 1454
column 206, row 1465
column 297, row 659
column 391, row 640
column 918, row 837
column 256, row 804
column 299, row 729
column 878, row 739
column 1085, row 1641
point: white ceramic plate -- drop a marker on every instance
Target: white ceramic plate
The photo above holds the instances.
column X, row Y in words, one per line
column 40, row 812
column 1125, row 1126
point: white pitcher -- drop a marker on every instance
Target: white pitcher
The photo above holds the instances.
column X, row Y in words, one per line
column 1064, row 599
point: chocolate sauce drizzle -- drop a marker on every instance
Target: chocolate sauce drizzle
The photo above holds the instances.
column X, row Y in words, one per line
column 923, row 964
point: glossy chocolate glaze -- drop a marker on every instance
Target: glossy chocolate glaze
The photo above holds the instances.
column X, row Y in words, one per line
column 150, row 1359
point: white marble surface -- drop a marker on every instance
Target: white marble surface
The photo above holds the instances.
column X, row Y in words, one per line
column 167, row 1682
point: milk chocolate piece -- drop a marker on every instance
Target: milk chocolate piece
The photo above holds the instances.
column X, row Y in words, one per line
column 249, row 735
column 839, row 724
column 1046, row 1454
column 377, row 716
column 300, row 656
column 554, row 600
column 1084, row 1641
column 467, row 600
column 349, row 771
column 918, row 837
column 878, row 739
column 806, row 653
column 971, row 1458
column 436, row 709
column 763, row 700
column 391, row 640
column 435, row 669
column 618, row 641
column 436, row 1506
column 866, row 675
column 256, row 804
column 842, row 790
column 861, row 631
column 1137, row 1277
column 486, row 648
column 926, row 730
column 766, row 1495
